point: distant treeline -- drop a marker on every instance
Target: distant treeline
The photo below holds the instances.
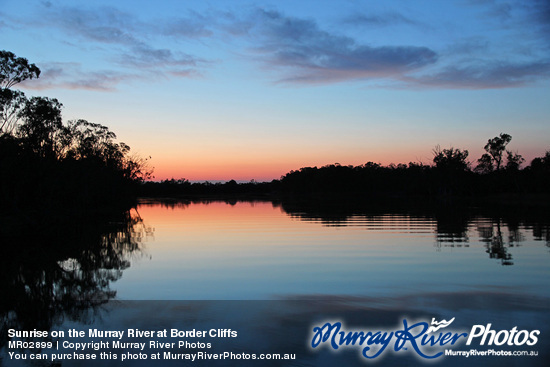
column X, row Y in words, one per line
column 182, row 187
column 450, row 174
column 50, row 167
column 446, row 177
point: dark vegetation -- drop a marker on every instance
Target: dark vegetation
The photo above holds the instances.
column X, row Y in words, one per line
column 65, row 196
column 65, row 191
column 498, row 172
column 47, row 276
column 450, row 175
column 50, row 167
column 499, row 225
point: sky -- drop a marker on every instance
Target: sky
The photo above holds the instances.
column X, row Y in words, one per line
column 220, row 90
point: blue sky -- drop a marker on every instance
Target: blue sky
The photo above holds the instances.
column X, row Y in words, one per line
column 250, row 90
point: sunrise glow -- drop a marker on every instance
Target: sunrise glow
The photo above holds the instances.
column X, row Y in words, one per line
column 247, row 90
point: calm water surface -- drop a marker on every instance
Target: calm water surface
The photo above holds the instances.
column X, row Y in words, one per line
column 273, row 271
column 256, row 250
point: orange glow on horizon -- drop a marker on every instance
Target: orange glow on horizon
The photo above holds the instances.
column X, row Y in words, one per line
column 213, row 171
column 264, row 160
column 262, row 168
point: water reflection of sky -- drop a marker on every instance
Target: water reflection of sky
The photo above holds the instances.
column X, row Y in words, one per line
column 257, row 251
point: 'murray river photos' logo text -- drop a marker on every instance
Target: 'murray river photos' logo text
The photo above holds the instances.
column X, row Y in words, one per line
column 426, row 340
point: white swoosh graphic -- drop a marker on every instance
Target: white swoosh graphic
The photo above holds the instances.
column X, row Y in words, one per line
column 439, row 325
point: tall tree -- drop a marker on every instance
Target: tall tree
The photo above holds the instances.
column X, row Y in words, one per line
column 11, row 103
column 13, row 70
column 42, row 126
column 496, row 147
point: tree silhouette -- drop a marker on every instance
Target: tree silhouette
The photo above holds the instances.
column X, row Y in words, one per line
column 485, row 164
column 42, row 126
column 451, row 170
column 56, row 168
column 451, row 159
column 13, row 70
column 541, row 163
column 11, row 103
column 513, row 160
column 496, row 146
column 64, row 273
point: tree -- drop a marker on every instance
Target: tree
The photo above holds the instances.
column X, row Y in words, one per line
column 13, row 70
column 42, row 126
column 513, row 160
column 52, row 166
column 541, row 163
column 84, row 139
column 451, row 159
column 484, row 164
column 11, row 103
column 496, row 147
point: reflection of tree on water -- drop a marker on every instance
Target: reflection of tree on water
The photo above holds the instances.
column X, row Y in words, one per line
column 64, row 272
column 491, row 234
column 499, row 228
column 541, row 232
column 185, row 203
column 452, row 228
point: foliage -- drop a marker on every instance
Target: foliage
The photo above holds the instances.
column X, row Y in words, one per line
column 76, row 166
column 485, row 164
column 11, row 103
column 451, row 159
column 538, row 173
column 513, row 160
column 494, row 160
column 41, row 126
column 541, row 163
column 14, row 69
column 449, row 176
column 496, row 146
column 80, row 164
column 63, row 270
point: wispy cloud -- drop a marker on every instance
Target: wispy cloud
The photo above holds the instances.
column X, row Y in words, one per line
column 467, row 47
column 515, row 53
column 308, row 54
column 298, row 48
column 193, row 25
column 529, row 19
column 539, row 17
column 127, row 41
column 300, row 51
column 381, row 20
column 3, row 24
column 104, row 25
column 144, row 56
column 72, row 76
column 303, row 53
column 499, row 10
column 486, row 76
